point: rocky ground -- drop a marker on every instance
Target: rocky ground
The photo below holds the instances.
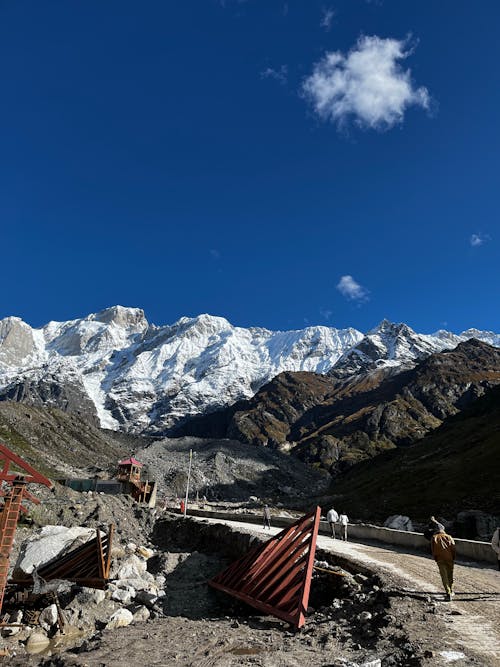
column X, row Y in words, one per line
column 161, row 564
column 229, row 470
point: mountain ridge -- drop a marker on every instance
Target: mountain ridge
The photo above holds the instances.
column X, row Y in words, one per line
column 130, row 375
column 335, row 422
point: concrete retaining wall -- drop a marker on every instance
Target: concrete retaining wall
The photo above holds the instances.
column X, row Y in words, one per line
column 362, row 532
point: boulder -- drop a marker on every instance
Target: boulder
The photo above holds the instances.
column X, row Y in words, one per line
column 98, row 596
column 132, row 568
column 473, row 524
column 123, row 595
column 90, row 596
column 148, row 599
column 47, row 544
column 139, row 584
column 365, row 617
column 120, row 619
column 399, row 522
column 145, row 552
column 141, row 614
column 48, row 617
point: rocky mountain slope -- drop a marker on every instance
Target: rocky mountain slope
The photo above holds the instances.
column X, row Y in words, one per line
column 452, row 469
column 127, row 374
column 231, row 471
column 334, row 423
column 63, row 445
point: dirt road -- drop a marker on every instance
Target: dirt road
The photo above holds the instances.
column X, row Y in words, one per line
column 472, row 619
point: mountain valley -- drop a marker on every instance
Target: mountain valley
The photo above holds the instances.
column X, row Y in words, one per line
column 76, row 396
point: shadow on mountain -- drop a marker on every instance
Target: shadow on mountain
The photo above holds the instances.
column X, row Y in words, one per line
column 452, row 469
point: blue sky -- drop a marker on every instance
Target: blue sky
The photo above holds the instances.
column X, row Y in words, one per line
column 277, row 163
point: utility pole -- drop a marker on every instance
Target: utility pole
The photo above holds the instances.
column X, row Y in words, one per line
column 187, row 484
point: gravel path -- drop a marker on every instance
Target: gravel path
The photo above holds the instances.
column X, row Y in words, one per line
column 472, row 620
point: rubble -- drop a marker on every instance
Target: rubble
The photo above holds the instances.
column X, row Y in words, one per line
column 158, row 596
column 47, row 544
column 120, row 619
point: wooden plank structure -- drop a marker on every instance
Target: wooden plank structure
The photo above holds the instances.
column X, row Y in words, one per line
column 129, row 474
column 276, row 577
column 14, row 494
column 87, row 565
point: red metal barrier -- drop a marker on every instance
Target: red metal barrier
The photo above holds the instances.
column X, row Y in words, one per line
column 276, row 577
column 16, row 491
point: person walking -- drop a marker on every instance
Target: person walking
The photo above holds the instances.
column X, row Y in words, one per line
column 343, row 520
column 443, row 550
column 495, row 544
column 266, row 517
column 332, row 517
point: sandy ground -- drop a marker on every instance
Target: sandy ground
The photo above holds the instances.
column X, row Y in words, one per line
column 474, row 619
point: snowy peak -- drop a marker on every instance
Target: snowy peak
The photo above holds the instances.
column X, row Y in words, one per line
column 484, row 336
column 144, row 378
column 390, row 345
column 110, row 329
column 17, row 342
column 132, row 319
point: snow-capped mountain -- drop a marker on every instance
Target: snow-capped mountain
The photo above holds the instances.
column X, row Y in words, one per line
column 139, row 376
column 135, row 376
column 389, row 346
column 397, row 346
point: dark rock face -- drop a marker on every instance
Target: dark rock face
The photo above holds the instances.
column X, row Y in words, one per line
column 49, row 391
column 337, row 422
column 452, row 471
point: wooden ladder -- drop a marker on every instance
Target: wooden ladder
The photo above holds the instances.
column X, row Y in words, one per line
column 8, row 525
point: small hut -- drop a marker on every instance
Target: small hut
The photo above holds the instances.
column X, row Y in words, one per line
column 129, row 470
column 129, row 474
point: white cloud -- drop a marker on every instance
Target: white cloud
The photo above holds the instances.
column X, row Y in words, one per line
column 279, row 75
column 215, row 254
column 478, row 239
column 368, row 85
column 352, row 290
column 327, row 18
column 326, row 313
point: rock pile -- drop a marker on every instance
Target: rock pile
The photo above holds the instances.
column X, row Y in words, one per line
column 133, row 594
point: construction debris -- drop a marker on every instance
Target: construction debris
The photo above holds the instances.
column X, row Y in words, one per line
column 13, row 483
column 87, row 564
column 276, row 577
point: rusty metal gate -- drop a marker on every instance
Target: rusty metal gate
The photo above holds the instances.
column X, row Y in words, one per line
column 276, row 577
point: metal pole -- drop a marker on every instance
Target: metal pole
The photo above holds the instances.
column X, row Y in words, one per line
column 187, row 484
